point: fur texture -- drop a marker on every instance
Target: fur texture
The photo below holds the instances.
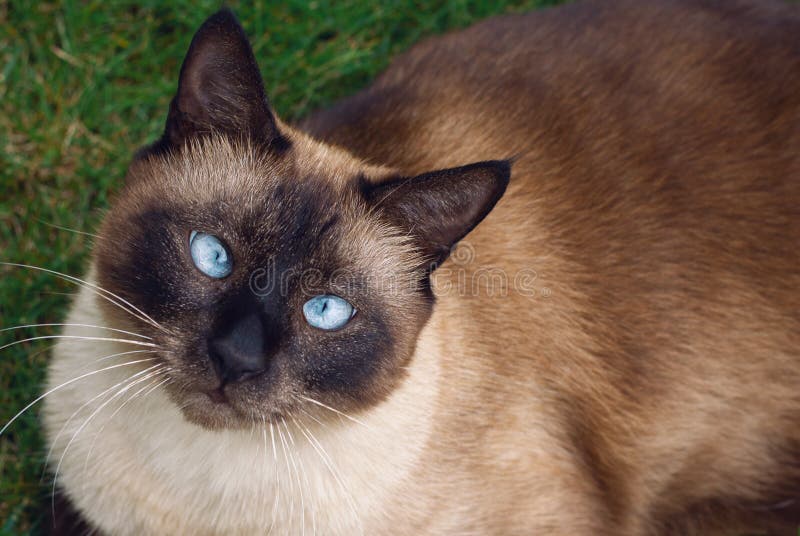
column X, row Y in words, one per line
column 614, row 350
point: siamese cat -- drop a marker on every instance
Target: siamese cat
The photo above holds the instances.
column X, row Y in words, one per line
column 292, row 341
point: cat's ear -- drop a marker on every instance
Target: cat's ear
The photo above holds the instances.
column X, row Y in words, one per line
column 439, row 208
column 220, row 87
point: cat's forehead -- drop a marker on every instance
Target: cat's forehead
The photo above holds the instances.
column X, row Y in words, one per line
column 300, row 202
column 216, row 170
column 238, row 192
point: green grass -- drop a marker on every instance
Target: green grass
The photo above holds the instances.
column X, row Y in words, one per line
column 82, row 85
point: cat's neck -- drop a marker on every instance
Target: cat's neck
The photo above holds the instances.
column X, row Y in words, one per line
column 150, row 456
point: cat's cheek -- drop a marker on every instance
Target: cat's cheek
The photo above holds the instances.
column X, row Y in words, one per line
column 356, row 370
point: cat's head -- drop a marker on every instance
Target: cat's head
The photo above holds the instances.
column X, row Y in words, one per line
column 278, row 269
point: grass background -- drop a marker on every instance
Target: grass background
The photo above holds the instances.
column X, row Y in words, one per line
column 82, row 85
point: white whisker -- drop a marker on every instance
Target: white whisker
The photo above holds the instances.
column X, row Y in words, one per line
column 310, row 416
column 284, row 447
column 69, row 382
column 98, row 290
column 156, row 386
column 61, row 227
column 120, row 354
column 277, row 476
column 81, row 428
column 155, row 374
column 305, row 478
column 341, row 414
column 297, row 477
column 78, row 325
column 266, row 464
column 320, row 450
column 77, row 411
column 78, row 337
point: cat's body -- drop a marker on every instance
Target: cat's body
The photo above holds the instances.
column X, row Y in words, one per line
column 618, row 354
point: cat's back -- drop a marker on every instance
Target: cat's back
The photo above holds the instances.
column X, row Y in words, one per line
column 585, row 76
column 655, row 194
column 645, row 133
column 658, row 136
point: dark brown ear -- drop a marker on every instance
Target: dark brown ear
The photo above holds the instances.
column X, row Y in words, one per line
column 439, row 208
column 220, row 87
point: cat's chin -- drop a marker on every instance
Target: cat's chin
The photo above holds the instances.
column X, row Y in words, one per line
column 208, row 411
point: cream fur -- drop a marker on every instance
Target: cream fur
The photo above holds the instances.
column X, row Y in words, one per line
column 152, row 472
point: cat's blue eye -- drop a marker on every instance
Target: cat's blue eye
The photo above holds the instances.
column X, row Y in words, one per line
column 328, row 311
column 210, row 255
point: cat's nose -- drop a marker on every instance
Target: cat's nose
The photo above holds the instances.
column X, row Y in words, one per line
column 238, row 350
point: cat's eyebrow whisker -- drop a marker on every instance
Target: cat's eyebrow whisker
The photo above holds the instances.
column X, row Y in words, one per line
column 336, row 411
column 100, row 291
column 69, row 382
column 77, row 325
column 79, row 337
column 377, row 205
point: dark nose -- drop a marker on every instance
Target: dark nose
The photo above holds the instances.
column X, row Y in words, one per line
column 238, row 350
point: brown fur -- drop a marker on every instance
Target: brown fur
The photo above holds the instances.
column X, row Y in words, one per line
column 656, row 196
column 650, row 382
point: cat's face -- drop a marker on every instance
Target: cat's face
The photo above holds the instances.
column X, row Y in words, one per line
column 290, row 234
column 282, row 273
